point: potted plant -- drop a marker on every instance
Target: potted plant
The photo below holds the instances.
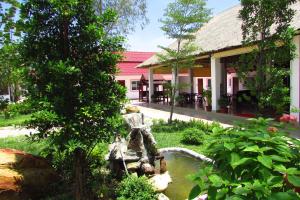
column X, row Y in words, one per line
column 224, row 103
column 207, row 99
column 180, row 100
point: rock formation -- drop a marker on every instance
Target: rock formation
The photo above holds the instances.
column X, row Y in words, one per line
column 24, row 176
column 138, row 152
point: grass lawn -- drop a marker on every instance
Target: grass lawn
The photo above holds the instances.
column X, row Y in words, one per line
column 173, row 139
column 24, row 144
column 14, row 121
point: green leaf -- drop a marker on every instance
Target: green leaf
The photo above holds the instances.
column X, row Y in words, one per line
column 294, row 180
column 284, row 196
column 234, row 197
column 216, row 180
column 221, row 193
column 241, row 190
column 254, row 148
column 279, row 158
column 234, row 158
column 229, row 146
column 265, row 160
column 240, row 162
column 275, row 181
column 195, row 192
column 280, row 168
column 258, row 186
column 292, row 171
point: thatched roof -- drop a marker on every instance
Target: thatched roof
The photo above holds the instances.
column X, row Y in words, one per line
column 222, row 32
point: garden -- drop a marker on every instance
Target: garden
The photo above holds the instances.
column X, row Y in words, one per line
column 63, row 56
column 257, row 160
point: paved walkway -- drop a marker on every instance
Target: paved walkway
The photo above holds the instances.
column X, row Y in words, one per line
column 154, row 113
column 15, row 131
column 158, row 111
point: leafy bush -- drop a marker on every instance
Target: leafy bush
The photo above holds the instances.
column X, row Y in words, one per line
column 177, row 125
column 3, row 104
column 22, row 108
column 253, row 161
column 193, row 136
column 135, row 188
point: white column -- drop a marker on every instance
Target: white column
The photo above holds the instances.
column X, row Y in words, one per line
column 151, row 85
column 295, row 78
column 216, row 78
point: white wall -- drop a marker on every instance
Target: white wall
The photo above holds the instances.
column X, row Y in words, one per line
column 130, row 94
column 230, row 82
column 205, row 83
column 184, row 80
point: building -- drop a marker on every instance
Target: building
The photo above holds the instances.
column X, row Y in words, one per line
column 220, row 42
column 129, row 76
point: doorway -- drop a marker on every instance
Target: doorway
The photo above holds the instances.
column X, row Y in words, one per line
column 200, row 86
column 236, row 86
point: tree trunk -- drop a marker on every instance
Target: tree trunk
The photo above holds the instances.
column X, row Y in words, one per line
column 173, row 96
column 175, row 86
column 79, row 158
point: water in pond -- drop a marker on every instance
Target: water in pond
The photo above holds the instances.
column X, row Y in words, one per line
column 180, row 165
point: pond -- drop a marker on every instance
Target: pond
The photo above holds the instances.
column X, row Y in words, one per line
column 180, row 165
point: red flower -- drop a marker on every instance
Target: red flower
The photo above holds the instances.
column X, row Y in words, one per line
column 288, row 118
column 272, row 129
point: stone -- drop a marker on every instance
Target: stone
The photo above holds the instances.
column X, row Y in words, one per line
column 162, row 196
column 134, row 120
column 24, row 176
column 134, row 166
column 139, row 147
column 160, row 182
column 132, row 109
column 136, row 142
column 148, row 169
column 163, row 166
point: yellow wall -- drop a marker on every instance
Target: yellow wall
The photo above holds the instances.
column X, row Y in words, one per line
column 197, row 71
column 202, row 72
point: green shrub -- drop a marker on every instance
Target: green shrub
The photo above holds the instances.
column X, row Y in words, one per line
column 3, row 104
column 135, row 188
column 177, row 125
column 192, row 136
column 23, row 108
column 252, row 161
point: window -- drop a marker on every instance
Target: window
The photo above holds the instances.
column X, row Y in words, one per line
column 135, row 85
column 209, row 83
column 122, row 82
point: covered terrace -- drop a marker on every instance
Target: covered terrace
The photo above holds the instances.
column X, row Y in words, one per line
column 220, row 41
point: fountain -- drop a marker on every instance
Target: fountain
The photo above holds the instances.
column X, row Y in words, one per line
column 137, row 153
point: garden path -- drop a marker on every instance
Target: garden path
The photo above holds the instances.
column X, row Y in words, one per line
column 15, row 131
column 158, row 111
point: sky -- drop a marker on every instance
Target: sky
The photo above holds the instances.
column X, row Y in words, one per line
column 151, row 36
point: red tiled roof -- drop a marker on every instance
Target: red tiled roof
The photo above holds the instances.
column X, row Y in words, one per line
column 131, row 60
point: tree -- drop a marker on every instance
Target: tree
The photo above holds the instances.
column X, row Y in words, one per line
column 10, row 70
column 70, row 63
column 181, row 20
column 130, row 12
column 8, row 9
column 273, row 53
